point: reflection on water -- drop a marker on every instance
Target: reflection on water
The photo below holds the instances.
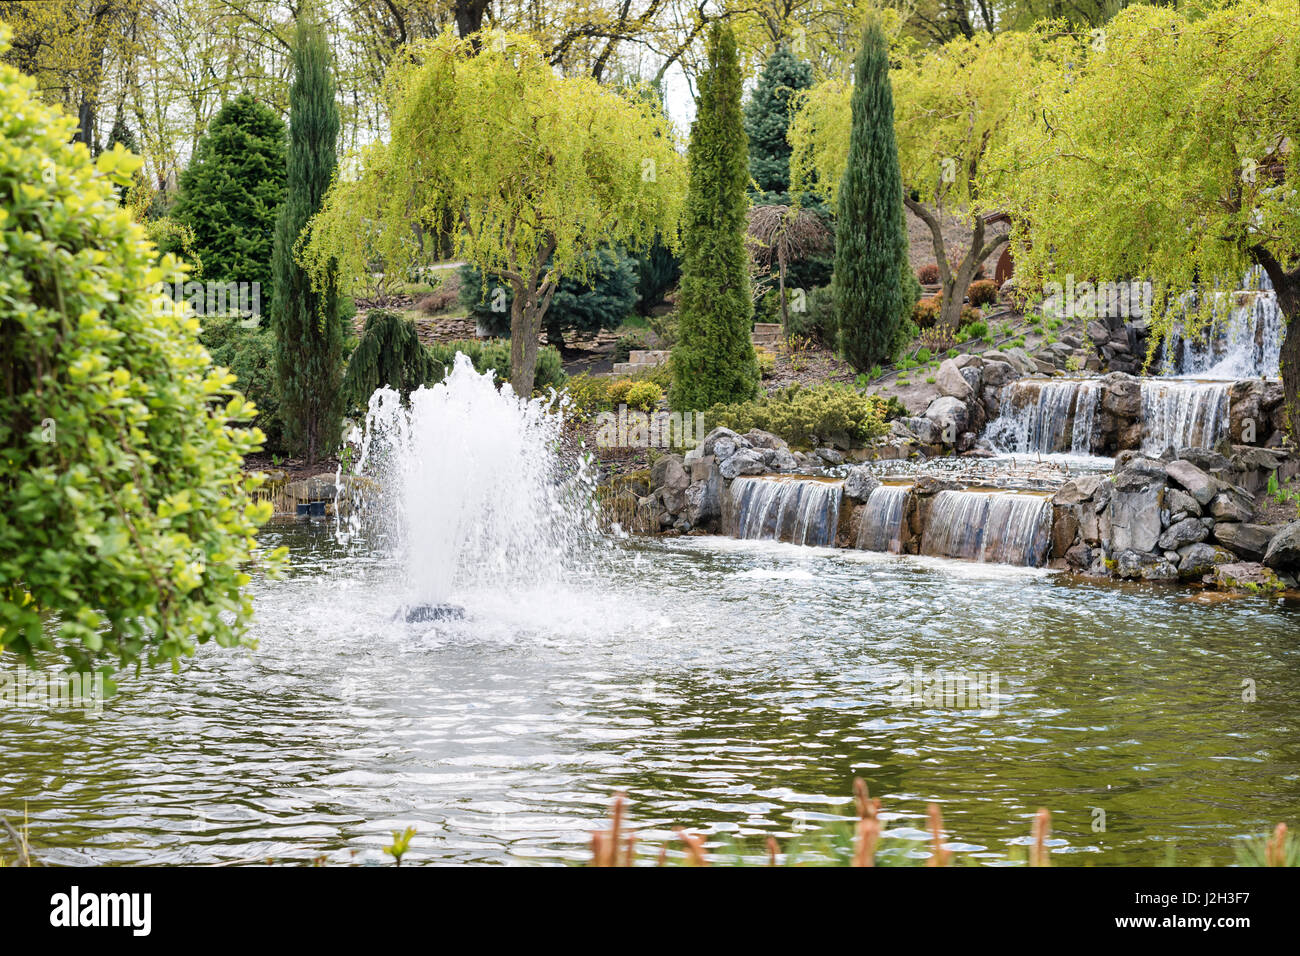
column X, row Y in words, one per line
column 734, row 687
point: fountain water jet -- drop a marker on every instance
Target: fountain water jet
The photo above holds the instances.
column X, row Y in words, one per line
column 471, row 490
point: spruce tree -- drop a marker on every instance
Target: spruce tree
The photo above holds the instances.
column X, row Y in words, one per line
column 714, row 358
column 307, row 323
column 767, row 120
column 231, row 190
column 870, row 239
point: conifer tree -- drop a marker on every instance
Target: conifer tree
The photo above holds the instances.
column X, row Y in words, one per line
column 870, row 239
column 231, row 190
column 767, row 119
column 714, row 358
column 306, row 315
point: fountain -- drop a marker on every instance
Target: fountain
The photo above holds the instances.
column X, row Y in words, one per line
column 785, row 508
column 881, row 525
column 471, row 490
column 1007, row 527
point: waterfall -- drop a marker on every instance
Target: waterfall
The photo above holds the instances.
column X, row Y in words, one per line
column 1046, row 417
column 798, row 510
column 1245, row 344
column 1183, row 414
column 882, row 519
column 1005, row 527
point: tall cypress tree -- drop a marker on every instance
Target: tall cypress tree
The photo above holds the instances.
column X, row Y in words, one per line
column 767, row 120
column 870, row 240
column 308, row 328
column 714, row 358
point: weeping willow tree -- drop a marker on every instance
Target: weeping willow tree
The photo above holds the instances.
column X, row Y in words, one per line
column 536, row 170
column 1169, row 151
column 388, row 354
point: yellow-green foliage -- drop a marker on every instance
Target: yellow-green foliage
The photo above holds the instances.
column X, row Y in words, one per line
column 644, row 396
column 539, row 170
column 799, row 414
column 1153, row 153
column 128, row 532
column 618, row 389
column 587, row 393
column 766, row 362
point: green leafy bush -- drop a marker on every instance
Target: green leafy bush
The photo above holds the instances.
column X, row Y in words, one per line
column 494, row 355
column 817, row 320
column 800, row 414
column 766, row 362
column 624, row 345
column 250, row 354
column 128, row 532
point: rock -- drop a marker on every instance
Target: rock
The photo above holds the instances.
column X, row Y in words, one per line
column 746, row 461
column 951, row 382
column 974, row 378
column 830, row 456
column 668, row 472
column 1232, row 505
column 1199, row 485
column 1195, row 560
column 950, row 416
column 860, row 483
column 1077, row 491
column 1134, row 512
column 1185, row 532
column 927, row 485
column 1283, row 553
column 1079, row 556
column 1246, row 576
column 967, row 360
column 783, row 461
column 997, row 374
column 1021, row 359
column 1122, row 395
column 1146, row 567
column 711, row 440
column 925, row 430
column 1250, row 541
column 1065, row 530
column 726, row 446
column 1177, row 500
column 758, row 438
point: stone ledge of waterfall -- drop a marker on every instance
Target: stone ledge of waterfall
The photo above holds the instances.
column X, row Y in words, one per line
column 426, row 613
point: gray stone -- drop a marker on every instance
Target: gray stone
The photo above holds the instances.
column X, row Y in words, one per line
column 711, row 439
column 1177, row 500
column 860, row 483
column 951, row 382
column 924, row 429
column 1195, row 560
column 1250, row 541
column 1199, row 485
column 1283, row 552
column 1134, row 514
column 1232, row 505
column 746, row 461
column 783, row 461
column 830, row 456
column 951, row 417
column 1247, row 576
column 1146, row 567
column 1185, row 532
column 667, row 472
column 758, row 438
column 999, row 373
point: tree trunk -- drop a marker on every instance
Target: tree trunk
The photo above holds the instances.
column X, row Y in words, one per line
column 523, row 333
column 1288, row 299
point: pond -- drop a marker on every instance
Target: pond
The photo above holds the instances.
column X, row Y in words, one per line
column 731, row 687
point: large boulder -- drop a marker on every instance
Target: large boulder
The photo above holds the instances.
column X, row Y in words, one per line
column 668, row 472
column 1196, row 560
column 1200, row 485
column 1250, row 541
column 1134, row 565
column 1231, row 505
column 712, row 438
column 745, row 461
column 1134, row 512
column 952, row 383
column 860, row 483
column 1182, row 533
column 758, row 438
column 1121, row 395
column 704, row 500
column 1283, row 553
column 950, row 416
